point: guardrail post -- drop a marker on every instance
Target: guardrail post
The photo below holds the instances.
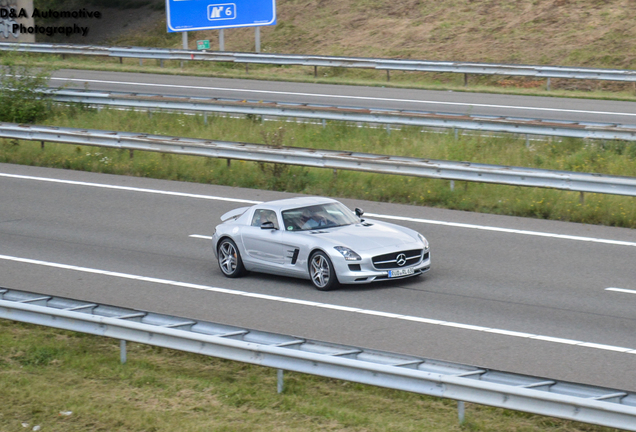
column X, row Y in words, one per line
column 122, row 351
column 388, row 129
column 527, row 141
column 205, row 118
column 141, row 62
column 452, row 185
column 465, row 80
column 548, row 85
column 582, row 198
column 279, row 379
column 42, row 145
column 460, row 411
column 160, row 62
column 315, row 71
column 388, row 75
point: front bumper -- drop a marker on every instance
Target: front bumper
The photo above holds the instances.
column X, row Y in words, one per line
column 348, row 273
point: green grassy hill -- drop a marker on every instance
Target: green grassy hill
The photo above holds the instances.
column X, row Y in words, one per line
column 564, row 32
column 561, row 32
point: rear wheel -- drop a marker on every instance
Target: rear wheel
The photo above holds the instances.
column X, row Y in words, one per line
column 321, row 272
column 230, row 259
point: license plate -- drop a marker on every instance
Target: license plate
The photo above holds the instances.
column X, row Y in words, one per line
column 401, row 272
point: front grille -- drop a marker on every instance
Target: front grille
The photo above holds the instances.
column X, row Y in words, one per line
column 389, row 261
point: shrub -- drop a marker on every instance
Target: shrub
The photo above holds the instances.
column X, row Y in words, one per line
column 21, row 100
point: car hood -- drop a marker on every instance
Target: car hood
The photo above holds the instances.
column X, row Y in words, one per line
column 365, row 237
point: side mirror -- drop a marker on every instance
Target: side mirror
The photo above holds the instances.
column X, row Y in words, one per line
column 359, row 212
column 268, row 225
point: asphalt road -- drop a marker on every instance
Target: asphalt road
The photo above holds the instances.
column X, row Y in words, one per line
column 529, row 107
column 510, row 295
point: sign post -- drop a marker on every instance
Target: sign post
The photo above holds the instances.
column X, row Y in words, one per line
column 184, row 44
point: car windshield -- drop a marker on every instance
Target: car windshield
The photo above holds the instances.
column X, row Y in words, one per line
column 318, row 216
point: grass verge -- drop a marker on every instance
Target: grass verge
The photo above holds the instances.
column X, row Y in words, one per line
column 605, row 157
column 66, row 381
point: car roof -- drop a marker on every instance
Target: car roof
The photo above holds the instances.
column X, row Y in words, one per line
column 291, row 203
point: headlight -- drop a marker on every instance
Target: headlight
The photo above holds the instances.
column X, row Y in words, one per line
column 347, row 253
column 423, row 241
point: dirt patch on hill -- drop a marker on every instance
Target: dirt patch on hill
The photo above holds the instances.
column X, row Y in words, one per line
column 573, row 32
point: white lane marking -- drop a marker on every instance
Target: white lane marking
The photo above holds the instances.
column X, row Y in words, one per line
column 127, row 188
column 505, row 230
column 308, row 303
column 485, row 228
column 423, row 102
column 390, row 217
column 621, row 290
column 204, row 237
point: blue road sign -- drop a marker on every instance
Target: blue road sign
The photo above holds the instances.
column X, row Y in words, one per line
column 187, row 15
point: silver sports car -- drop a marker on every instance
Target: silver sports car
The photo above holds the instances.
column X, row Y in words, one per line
column 319, row 239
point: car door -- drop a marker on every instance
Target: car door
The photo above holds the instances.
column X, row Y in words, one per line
column 296, row 246
column 263, row 245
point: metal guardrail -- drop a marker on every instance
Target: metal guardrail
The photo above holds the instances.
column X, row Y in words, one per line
column 397, row 165
column 583, row 403
column 328, row 61
column 524, row 126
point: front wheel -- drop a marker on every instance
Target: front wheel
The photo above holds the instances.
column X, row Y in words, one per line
column 321, row 272
column 230, row 259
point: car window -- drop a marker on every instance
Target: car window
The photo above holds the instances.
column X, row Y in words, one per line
column 318, row 217
column 263, row 215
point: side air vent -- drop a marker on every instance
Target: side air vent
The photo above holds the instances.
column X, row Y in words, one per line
column 294, row 256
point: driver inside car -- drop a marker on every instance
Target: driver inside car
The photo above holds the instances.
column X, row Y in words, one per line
column 312, row 219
